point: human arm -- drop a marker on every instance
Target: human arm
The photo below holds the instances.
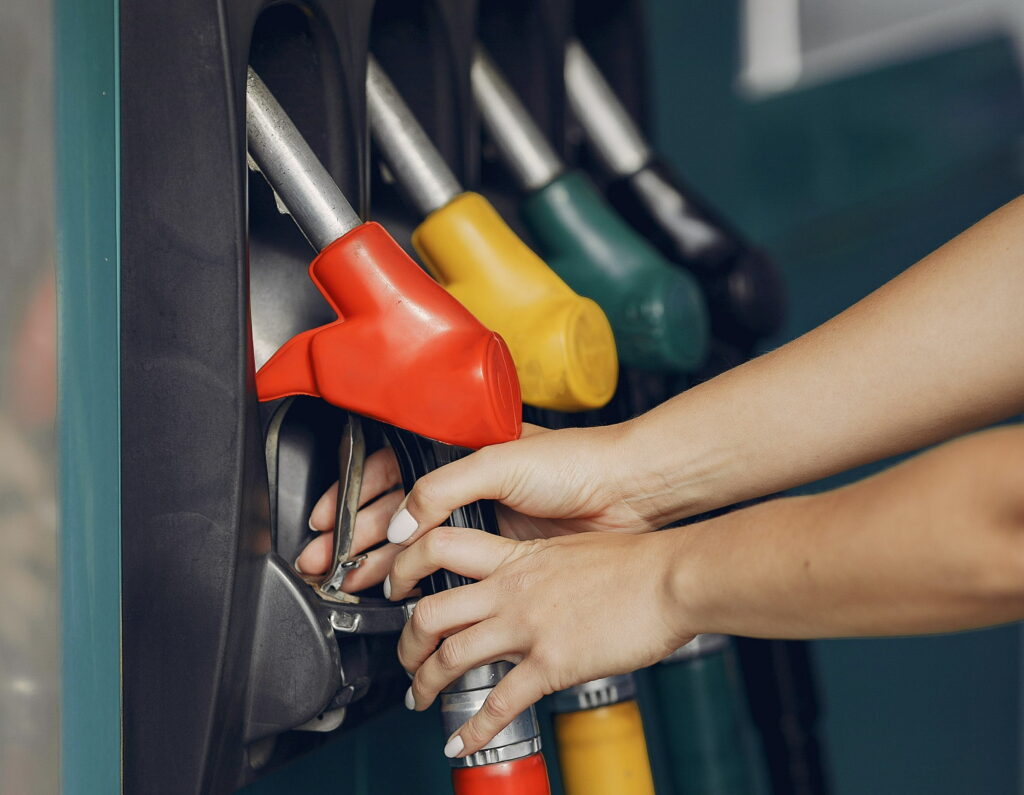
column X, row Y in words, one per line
column 932, row 545
column 932, row 354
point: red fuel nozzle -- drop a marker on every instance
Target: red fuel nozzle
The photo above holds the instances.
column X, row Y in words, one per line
column 402, row 351
column 526, row 776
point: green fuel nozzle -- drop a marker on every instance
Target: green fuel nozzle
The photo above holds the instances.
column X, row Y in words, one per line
column 744, row 288
column 657, row 311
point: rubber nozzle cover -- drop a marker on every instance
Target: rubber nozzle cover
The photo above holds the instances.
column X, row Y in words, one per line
column 562, row 343
column 658, row 311
column 526, row 776
column 402, row 351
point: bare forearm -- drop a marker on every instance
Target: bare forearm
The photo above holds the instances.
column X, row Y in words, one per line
column 930, row 355
column 935, row 544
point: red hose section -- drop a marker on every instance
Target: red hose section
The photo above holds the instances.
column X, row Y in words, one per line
column 526, row 776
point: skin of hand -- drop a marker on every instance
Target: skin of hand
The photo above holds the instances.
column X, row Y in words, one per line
column 538, row 603
column 935, row 544
column 929, row 355
column 587, row 499
column 378, row 500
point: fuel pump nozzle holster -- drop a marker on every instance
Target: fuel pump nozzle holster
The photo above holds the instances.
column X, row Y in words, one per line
column 403, row 351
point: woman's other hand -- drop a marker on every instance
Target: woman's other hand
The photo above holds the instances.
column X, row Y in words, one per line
column 565, row 610
column 378, row 500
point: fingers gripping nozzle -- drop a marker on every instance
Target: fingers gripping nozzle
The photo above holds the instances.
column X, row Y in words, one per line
column 402, row 351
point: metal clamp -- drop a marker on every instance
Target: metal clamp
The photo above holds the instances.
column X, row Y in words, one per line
column 598, row 693
column 463, row 699
column 351, row 461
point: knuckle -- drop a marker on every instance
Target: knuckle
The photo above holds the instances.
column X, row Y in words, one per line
column 425, row 616
column 497, row 709
column 517, row 581
column 474, row 735
column 450, row 653
column 426, row 492
column 439, row 541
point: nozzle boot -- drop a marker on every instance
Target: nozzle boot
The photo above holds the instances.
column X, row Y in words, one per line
column 561, row 342
column 402, row 351
column 657, row 311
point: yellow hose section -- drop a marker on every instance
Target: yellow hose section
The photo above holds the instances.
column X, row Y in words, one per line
column 603, row 752
column 561, row 342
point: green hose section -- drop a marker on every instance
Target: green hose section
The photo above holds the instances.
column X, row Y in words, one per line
column 703, row 726
column 657, row 311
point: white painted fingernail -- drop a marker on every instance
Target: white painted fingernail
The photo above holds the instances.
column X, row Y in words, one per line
column 310, row 523
column 402, row 526
column 410, row 702
column 454, row 747
column 298, row 568
column 387, row 587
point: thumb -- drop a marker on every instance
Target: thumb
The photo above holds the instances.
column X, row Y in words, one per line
column 482, row 475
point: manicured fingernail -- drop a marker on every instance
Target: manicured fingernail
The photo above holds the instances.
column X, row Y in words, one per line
column 387, row 587
column 310, row 523
column 298, row 568
column 402, row 527
column 454, row 747
column 410, row 702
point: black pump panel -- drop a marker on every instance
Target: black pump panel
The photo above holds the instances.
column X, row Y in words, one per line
column 209, row 696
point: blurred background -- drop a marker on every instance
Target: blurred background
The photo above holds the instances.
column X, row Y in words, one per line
column 849, row 137
column 29, row 651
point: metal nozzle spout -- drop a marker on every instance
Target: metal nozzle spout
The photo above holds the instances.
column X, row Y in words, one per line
column 607, row 124
column 410, row 154
column 299, row 179
column 523, row 146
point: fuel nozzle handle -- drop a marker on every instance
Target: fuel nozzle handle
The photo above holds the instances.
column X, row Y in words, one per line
column 299, row 179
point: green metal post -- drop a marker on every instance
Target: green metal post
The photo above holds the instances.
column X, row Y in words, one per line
column 88, row 185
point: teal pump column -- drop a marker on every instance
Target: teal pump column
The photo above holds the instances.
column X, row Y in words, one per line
column 657, row 312
column 702, row 719
column 88, row 302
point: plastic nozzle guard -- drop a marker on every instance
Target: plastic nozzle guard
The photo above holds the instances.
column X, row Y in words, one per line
column 562, row 343
column 603, row 751
column 526, row 776
column 403, row 351
column 657, row 311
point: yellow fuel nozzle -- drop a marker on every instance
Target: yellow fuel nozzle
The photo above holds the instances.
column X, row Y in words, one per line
column 561, row 342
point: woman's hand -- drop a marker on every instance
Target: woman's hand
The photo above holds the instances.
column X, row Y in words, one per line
column 378, row 500
column 565, row 610
column 548, row 483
